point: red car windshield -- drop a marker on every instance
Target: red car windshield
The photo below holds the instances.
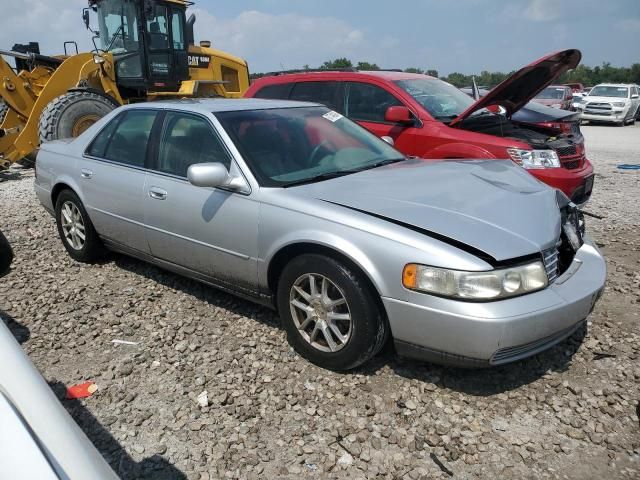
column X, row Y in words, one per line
column 442, row 100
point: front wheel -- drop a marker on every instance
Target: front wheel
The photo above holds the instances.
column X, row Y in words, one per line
column 76, row 231
column 331, row 315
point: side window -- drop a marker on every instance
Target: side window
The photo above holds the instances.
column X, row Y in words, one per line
column 368, row 102
column 177, row 33
column 278, row 91
column 327, row 93
column 128, row 144
column 187, row 140
column 99, row 143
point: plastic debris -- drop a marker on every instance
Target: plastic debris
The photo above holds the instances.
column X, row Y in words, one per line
column 203, row 399
column 124, row 342
column 629, row 166
column 82, row 390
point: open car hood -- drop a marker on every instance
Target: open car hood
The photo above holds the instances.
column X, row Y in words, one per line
column 526, row 83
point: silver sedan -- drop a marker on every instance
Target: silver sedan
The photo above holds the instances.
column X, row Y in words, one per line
column 292, row 205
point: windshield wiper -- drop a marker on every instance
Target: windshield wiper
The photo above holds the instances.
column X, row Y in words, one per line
column 341, row 173
column 320, row 178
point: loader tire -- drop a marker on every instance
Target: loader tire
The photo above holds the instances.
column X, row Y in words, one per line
column 3, row 111
column 68, row 115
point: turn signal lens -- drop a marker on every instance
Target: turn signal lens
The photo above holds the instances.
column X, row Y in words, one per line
column 409, row 279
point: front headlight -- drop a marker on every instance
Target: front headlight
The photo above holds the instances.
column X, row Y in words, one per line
column 490, row 285
column 556, row 105
column 532, row 159
column 619, row 104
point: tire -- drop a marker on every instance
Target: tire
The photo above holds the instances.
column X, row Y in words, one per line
column 362, row 336
column 69, row 115
column 3, row 111
column 6, row 255
column 71, row 218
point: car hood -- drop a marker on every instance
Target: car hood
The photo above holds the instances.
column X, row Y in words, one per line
column 526, row 83
column 495, row 207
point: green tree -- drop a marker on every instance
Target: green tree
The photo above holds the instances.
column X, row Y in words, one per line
column 337, row 63
column 367, row 66
column 432, row 73
column 413, row 70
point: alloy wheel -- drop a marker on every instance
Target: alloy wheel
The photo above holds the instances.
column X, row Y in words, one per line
column 72, row 225
column 320, row 312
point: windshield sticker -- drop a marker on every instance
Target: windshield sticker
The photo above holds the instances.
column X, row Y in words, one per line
column 623, row 89
column 332, row 116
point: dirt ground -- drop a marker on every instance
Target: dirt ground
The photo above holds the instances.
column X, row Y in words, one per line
column 571, row 412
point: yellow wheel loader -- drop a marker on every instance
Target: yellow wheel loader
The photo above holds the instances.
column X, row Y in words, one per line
column 144, row 50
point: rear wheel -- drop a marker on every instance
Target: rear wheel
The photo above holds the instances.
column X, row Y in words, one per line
column 76, row 230
column 331, row 316
column 68, row 115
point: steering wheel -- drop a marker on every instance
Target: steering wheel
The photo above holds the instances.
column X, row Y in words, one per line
column 314, row 152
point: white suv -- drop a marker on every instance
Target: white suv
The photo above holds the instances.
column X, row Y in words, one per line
column 610, row 102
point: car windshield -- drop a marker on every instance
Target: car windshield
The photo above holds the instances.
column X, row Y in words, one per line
column 442, row 100
column 602, row 91
column 551, row 93
column 118, row 22
column 291, row 146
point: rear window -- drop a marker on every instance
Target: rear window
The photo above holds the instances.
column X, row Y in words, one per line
column 279, row 91
column 327, row 93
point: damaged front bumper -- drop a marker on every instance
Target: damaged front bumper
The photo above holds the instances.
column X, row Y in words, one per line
column 468, row 334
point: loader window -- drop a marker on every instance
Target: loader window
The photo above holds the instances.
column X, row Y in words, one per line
column 158, row 28
column 118, row 20
column 177, row 34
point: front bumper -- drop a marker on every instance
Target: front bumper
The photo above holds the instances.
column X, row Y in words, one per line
column 608, row 116
column 573, row 183
column 485, row 334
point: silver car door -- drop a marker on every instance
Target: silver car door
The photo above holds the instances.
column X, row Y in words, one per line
column 112, row 175
column 207, row 230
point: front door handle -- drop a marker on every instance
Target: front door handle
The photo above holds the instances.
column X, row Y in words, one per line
column 157, row 193
column 84, row 173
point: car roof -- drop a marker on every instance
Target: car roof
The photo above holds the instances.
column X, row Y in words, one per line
column 390, row 75
column 216, row 105
column 615, row 85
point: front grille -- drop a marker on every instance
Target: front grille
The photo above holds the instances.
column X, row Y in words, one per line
column 509, row 354
column 566, row 151
column 598, row 108
column 550, row 257
column 571, row 164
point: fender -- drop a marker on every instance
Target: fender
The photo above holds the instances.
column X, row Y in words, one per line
column 324, row 239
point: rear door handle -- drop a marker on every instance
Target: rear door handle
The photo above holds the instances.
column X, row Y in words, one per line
column 157, row 193
column 84, row 173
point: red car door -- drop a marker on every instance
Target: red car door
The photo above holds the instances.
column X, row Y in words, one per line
column 367, row 104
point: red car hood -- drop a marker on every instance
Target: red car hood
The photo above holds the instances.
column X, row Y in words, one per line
column 526, row 83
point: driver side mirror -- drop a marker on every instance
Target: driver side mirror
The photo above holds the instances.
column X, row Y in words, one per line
column 85, row 17
column 635, row 95
column 399, row 114
column 213, row 175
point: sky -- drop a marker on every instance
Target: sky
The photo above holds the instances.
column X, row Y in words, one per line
column 466, row 36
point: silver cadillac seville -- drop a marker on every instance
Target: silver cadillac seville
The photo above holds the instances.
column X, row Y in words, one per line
column 470, row 263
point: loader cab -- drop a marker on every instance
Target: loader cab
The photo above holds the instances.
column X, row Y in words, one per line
column 147, row 40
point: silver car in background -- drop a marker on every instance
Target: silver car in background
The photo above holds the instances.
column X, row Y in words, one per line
column 471, row 263
column 612, row 103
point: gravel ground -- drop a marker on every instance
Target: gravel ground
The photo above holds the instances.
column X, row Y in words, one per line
column 571, row 412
